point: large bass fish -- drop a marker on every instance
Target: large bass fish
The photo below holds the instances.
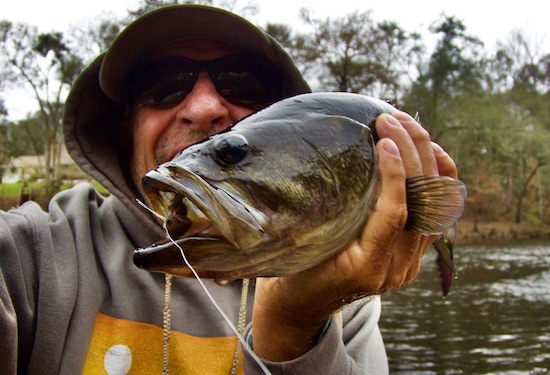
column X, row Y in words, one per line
column 283, row 190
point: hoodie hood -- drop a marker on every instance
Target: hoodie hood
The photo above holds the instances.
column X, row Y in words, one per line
column 92, row 117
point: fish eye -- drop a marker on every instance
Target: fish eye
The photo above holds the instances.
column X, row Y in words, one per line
column 230, row 149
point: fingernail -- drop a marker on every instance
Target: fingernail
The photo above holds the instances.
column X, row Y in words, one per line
column 393, row 121
column 391, row 148
column 402, row 116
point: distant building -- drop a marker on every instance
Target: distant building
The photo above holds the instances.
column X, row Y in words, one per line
column 24, row 168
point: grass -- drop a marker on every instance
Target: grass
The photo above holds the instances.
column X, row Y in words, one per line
column 12, row 190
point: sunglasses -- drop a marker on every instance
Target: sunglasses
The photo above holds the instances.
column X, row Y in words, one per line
column 166, row 81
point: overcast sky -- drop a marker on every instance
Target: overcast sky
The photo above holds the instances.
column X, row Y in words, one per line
column 487, row 19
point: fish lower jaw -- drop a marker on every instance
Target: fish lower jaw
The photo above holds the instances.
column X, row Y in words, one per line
column 186, row 273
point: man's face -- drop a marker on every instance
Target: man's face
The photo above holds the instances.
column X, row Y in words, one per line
column 158, row 134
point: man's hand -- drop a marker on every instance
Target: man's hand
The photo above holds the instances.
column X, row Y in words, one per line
column 290, row 312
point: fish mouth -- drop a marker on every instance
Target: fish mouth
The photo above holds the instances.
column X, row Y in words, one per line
column 193, row 206
column 205, row 218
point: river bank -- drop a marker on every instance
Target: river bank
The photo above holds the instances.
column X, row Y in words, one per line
column 496, row 232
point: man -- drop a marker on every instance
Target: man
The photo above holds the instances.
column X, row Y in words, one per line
column 72, row 300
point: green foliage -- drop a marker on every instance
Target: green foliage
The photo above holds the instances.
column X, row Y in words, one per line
column 452, row 71
column 37, row 189
column 44, row 65
column 10, row 190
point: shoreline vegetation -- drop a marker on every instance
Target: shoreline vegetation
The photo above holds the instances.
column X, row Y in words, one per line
column 491, row 233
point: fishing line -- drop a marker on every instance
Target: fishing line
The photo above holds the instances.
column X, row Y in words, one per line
column 222, row 313
column 242, row 310
column 159, row 216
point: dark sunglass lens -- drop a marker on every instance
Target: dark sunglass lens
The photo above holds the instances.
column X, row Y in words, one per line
column 242, row 87
column 164, row 82
column 167, row 91
column 245, row 79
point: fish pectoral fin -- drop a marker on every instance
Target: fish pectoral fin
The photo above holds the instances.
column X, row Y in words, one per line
column 434, row 203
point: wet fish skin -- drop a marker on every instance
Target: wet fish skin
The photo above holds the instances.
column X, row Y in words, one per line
column 281, row 191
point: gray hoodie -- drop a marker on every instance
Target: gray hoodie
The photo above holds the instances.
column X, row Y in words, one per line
column 73, row 301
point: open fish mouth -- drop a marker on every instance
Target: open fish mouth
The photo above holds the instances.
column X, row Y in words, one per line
column 192, row 206
column 210, row 223
column 174, row 202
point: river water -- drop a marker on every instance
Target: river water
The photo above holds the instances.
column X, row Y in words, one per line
column 495, row 320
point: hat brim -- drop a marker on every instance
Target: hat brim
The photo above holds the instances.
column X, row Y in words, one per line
column 168, row 24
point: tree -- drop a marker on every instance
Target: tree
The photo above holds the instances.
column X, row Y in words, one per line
column 524, row 151
column 149, row 5
column 452, row 70
column 525, row 64
column 42, row 63
column 397, row 51
column 89, row 40
column 354, row 54
column 341, row 49
column 293, row 43
column 248, row 8
column 525, row 97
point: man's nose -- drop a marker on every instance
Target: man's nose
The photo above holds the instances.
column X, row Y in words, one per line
column 204, row 108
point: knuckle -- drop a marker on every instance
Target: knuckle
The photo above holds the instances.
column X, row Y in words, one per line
column 420, row 135
column 378, row 285
column 397, row 217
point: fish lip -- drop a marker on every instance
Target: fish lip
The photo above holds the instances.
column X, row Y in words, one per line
column 191, row 188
